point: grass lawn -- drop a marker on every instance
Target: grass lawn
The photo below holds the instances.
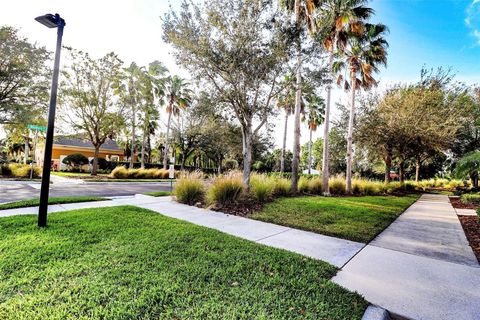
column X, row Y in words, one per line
column 72, row 174
column 131, row 263
column 353, row 218
column 158, row 193
column 126, row 180
column 57, row 200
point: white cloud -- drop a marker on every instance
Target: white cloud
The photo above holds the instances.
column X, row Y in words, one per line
column 472, row 20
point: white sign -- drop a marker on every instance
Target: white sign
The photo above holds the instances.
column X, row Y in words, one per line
column 171, row 172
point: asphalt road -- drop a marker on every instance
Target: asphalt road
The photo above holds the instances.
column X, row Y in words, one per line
column 22, row 191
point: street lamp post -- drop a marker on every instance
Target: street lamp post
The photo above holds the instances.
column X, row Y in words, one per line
column 50, row 21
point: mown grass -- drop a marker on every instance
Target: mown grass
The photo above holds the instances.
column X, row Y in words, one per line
column 353, row 218
column 53, row 200
column 158, row 193
column 131, row 263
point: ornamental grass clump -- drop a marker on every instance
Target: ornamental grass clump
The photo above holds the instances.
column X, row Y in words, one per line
column 119, row 173
column 281, row 187
column 470, row 198
column 19, row 170
column 337, row 185
column 190, row 188
column 225, row 189
column 261, row 187
column 315, row 185
column 303, row 183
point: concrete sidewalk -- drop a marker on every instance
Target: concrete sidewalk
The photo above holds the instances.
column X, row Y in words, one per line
column 420, row 267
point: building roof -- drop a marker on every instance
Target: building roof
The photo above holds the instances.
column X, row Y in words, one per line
column 81, row 142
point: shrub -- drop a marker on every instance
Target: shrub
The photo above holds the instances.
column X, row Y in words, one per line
column 261, row 187
column 190, row 188
column 225, row 189
column 337, row 185
column 102, row 164
column 303, row 184
column 281, row 186
column 5, row 170
column 119, row 173
column 75, row 161
column 19, row 170
column 315, row 185
column 470, row 198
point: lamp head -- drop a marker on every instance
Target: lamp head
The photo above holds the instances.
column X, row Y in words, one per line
column 51, row 20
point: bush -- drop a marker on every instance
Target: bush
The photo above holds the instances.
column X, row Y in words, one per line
column 303, row 184
column 18, row 170
column 315, row 185
column 123, row 173
column 102, row 164
column 261, row 187
column 225, row 189
column 119, row 173
column 75, row 161
column 281, row 186
column 190, row 188
column 470, row 198
column 337, row 185
column 5, row 170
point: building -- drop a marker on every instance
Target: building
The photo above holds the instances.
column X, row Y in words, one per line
column 67, row 145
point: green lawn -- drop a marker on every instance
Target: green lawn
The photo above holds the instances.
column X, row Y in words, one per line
column 131, row 263
column 54, row 200
column 353, row 218
column 158, row 193
column 72, row 174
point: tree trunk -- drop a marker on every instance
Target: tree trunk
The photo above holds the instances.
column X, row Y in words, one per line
column 401, row 170
column 149, row 149
column 474, row 178
column 132, row 148
column 27, row 151
column 310, row 153
column 247, row 154
column 350, row 135
column 326, row 131
column 165, row 158
column 142, row 165
column 296, row 139
column 182, row 165
column 388, row 166
column 418, row 164
column 219, row 165
column 284, row 146
column 95, row 161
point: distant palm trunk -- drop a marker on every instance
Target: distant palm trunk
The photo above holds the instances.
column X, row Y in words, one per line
column 132, row 148
column 142, row 165
column 310, row 153
column 27, row 147
column 284, row 147
column 165, row 158
column 296, row 140
column 326, row 131
column 350, row 134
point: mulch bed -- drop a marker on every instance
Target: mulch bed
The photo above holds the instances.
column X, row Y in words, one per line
column 471, row 226
column 242, row 209
column 456, row 203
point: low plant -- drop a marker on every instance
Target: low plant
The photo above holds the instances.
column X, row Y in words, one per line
column 225, row 189
column 17, row 170
column 190, row 188
column 119, row 173
column 470, row 198
column 123, row 173
column 315, row 185
column 337, row 185
column 303, row 184
column 281, row 187
column 261, row 187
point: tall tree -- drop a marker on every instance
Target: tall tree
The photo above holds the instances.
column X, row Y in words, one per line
column 235, row 49
column 338, row 18
column 286, row 102
column 364, row 52
column 178, row 97
column 313, row 118
column 23, row 77
column 304, row 13
column 89, row 95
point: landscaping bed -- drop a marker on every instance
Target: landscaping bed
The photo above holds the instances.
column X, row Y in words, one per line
column 471, row 226
column 352, row 218
column 456, row 203
column 131, row 263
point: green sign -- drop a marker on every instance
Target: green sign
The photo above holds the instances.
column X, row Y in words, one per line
column 34, row 127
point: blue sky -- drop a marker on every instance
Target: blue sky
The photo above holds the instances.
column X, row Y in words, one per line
column 431, row 33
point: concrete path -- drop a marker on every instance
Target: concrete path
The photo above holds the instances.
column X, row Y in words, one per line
column 333, row 250
column 420, row 267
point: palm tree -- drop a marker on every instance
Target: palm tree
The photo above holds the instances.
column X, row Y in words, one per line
column 363, row 53
column 286, row 102
column 305, row 19
column 469, row 166
column 178, row 97
column 314, row 118
column 338, row 16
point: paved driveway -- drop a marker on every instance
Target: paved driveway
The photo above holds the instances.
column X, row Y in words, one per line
column 16, row 191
